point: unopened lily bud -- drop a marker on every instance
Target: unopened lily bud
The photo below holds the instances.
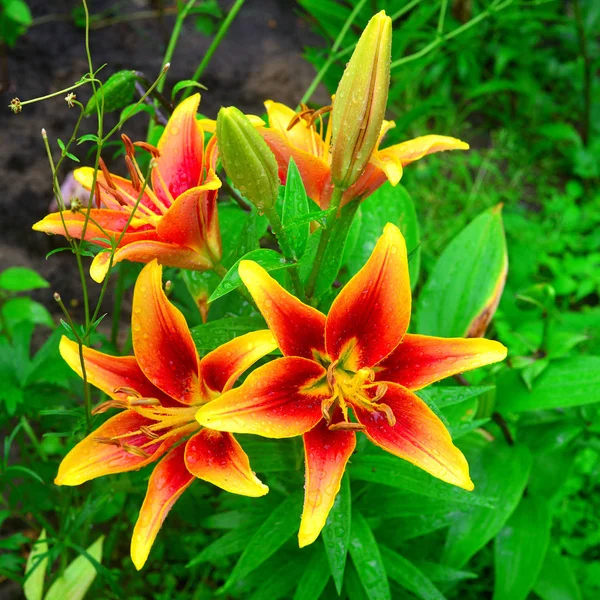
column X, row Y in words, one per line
column 247, row 159
column 360, row 101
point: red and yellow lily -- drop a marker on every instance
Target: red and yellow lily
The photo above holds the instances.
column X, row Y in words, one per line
column 304, row 137
column 176, row 218
column 355, row 369
column 159, row 390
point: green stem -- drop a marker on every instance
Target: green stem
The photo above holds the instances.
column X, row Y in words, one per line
column 53, row 94
column 493, row 8
column 235, row 9
column 116, row 317
column 404, row 9
column 587, row 73
column 336, row 198
column 333, row 53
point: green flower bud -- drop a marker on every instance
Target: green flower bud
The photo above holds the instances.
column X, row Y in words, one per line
column 360, row 101
column 247, row 159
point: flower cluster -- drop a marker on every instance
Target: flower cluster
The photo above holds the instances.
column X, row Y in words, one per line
column 352, row 371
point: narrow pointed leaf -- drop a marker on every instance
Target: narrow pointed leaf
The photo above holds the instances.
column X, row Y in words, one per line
column 499, row 471
column 267, row 259
column 556, row 580
column 367, row 560
column 78, row 576
column 336, row 533
column 466, row 283
column 295, row 205
column 277, row 529
column 315, row 577
column 405, row 573
column 35, row 570
column 520, row 548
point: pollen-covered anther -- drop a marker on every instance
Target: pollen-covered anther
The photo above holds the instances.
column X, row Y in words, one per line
column 107, row 175
column 144, row 402
column 135, row 451
column 127, row 390
column 153, row 150
column 148, row 432
column 108, row 441
column 104, row 406
column 346, row 425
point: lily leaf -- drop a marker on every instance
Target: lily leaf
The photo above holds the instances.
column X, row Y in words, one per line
column 35, row 570
column 336, row 533
column 277, row 529
column 315, row 577
column 78, row 576
column 520, row 548
column 213, row 334
column 295, row 205
column 367, row 560
column 464, row 288
column 267, row 259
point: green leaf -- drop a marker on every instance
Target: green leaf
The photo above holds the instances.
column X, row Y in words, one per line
column 133, row 109
column 267, row 259
column 225, row 545
column 118, row 92
column 556, row 580
column 213, row 334
column 336, row 533
column 35, row 570
column 392, row 471
column 367, row 560
column 18, row 310
column 315, row 577
column 333, row 252
column 21, row 279
column 405, row 573
column 442, row 573
column 498, row 471
column 269, row 456
column 387, row 205
column 519, row 549
column 17, row 11
column 461, row 292
column 186, row 83
column 78, row 576
column 295, row 205
column 566, row 382
column 277, row 529
column 449, row 396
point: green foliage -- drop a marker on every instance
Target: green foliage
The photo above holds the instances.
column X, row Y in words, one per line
column 15, row 19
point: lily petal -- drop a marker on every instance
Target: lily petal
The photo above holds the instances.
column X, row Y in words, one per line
column 220, row 368
column 192, row 221
column 181, row 146
column 301, row 135
column 168, row 481
column 412, row 150
column 314, row 171
column 418, row 436
column 167, row 254
column 109, row 373
column 371, row 314
column 162, row 342
column 218, row 458
column 280, row 399
column 94, row 456
column 326, row 454
column 124, row 188
column 420, row 360
column 299, row 329
column 111, row 221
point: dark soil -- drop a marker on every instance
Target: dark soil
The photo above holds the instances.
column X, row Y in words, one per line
column 260, row 58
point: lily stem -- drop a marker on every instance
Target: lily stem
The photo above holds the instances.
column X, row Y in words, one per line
column 336, row 198
column 235, row 9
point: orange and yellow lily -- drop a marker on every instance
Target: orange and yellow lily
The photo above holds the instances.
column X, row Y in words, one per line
column 175, row 220
column 355, row 369
column 304, row 137
column 159, row 390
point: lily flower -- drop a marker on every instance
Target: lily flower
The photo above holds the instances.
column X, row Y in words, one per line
column 175, row 220
column 354, row 370
column 159, row 390
column 306, row 138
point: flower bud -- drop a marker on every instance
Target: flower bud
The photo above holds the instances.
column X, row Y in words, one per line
column 247, row 159
column 360, row 101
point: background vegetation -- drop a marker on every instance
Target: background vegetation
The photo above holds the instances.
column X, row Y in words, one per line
column 518, row 81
